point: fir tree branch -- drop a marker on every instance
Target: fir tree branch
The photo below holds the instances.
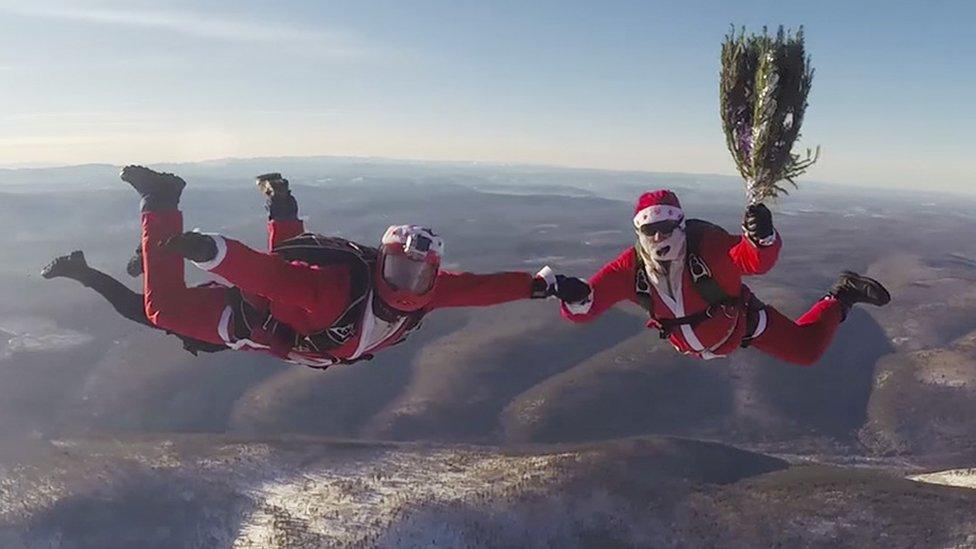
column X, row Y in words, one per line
column 763, row 88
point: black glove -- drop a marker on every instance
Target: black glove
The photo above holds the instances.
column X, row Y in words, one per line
column 571, row 289
column 193, row 246
column 134, row 266
column 281, row 204
column 758, row 224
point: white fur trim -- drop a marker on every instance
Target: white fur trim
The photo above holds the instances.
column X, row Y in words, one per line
column 677, row 307
column 766, row 242
column 676, row 303
column 223, row 326
column 761, row 325
column 219, row 258
column 314, row 362
column 653, row 214
column 580, row 308
column 365, row 328
column 692, row 338
column 769, row 240
column 546, row 273
column 223, row 329
column 246, row 344
column 369, row 337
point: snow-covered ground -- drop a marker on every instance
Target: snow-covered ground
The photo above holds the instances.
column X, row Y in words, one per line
column 963, row 478
column 258, row 494
column 37, row 334
column 216, row 491
column 358, row 502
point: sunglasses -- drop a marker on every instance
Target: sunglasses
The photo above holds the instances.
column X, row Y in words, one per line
column 663, row 228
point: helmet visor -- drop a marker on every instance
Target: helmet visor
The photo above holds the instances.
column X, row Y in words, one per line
column 405, row 273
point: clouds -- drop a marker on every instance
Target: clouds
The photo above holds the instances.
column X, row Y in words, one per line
column 632, row 87
column 211, row 26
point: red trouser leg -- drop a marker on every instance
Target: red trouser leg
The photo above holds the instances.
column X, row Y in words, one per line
column 191, row 312
column 804, row 341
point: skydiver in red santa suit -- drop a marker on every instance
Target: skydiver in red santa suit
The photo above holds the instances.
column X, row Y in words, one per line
column 313, row 300
column 687, row 274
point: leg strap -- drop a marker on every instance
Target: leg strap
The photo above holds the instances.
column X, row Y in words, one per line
column 756, row 320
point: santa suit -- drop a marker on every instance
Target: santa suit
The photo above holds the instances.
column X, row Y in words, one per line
column 674, row 295
column 308, row 298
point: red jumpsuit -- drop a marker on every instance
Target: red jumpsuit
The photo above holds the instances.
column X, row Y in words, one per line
column 308, row 298
column 728, row 258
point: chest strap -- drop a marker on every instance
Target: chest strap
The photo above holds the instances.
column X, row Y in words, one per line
column 705, row 283
column 667, row 326
column 701, row 277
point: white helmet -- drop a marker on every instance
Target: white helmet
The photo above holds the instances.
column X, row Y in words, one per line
column 409, row 260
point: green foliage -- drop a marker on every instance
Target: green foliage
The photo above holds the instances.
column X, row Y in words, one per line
column 763, row 90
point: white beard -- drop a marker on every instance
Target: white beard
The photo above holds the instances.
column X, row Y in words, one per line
column 669, row 249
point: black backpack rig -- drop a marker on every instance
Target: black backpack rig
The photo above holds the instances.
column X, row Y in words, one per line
column 316, row 249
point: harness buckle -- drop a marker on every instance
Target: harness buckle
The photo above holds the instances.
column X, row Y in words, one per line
column 643, row 286
column 698, row 268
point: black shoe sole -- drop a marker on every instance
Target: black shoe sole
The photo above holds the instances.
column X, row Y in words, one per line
column 146, row 181
column 877, row 288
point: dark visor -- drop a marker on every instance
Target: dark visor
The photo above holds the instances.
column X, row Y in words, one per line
column 665, row 227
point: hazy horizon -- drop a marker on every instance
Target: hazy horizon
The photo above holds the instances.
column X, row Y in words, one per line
column 804, row 183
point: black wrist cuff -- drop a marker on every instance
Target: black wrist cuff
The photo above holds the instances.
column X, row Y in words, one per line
column 762, row 242
column 159, row 203
column 540, row 288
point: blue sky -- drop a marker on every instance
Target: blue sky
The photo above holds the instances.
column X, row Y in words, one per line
column 619, row 85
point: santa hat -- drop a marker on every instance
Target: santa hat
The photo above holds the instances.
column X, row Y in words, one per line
column 654, row 206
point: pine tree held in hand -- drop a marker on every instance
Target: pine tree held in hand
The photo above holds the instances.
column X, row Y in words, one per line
column 763, row 94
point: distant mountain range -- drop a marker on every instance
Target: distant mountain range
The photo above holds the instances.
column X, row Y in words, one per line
column 326, row 170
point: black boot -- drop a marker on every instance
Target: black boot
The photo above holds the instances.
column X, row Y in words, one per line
column 852, row 288
column 281, row 204
column 193, row 246
column 134, row 266
column 159, row 191
column 72, row 265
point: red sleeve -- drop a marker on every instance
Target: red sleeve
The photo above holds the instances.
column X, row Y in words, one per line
column 281, row 230
column 750, row 258
column 609, row 286
column 298, row 284
column 479, row 290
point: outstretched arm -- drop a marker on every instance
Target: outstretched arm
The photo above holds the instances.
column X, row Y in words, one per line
column 610, row 285
column 480, row 290
column 752, row 258
column 757, row 249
